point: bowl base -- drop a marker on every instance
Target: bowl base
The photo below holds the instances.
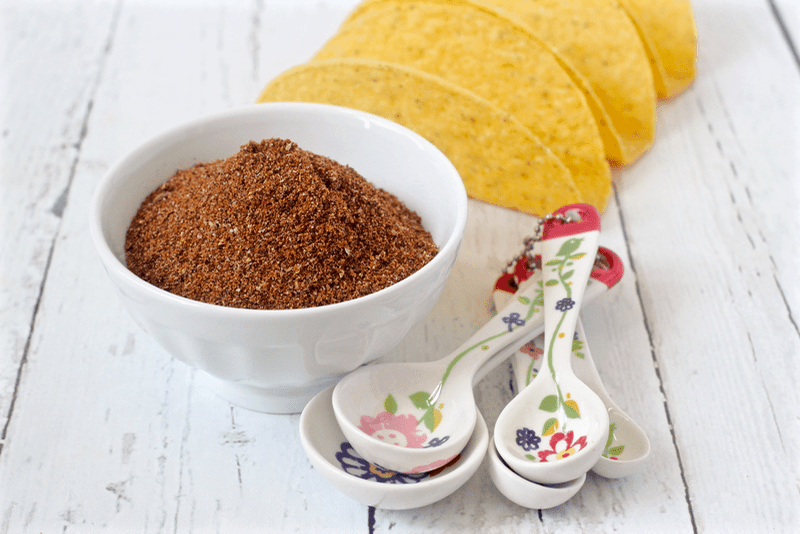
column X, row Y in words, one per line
column 278, row 400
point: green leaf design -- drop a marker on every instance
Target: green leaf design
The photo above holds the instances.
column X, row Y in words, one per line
column 420, row 400
column 531, row 457
column 611, row 428
column 549, row 404
column 569, row 246
column 550, row 427
column 553, row 262
column 567, row 275
column 429, row 420
column 577, row 344
column 616, row 451
column 390, row 404
column 524, row 300
column 577, row 256
column 551, row 283
column 571, row 409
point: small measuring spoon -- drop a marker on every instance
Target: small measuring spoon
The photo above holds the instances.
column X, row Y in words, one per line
column 627, row 446
column 557, row 407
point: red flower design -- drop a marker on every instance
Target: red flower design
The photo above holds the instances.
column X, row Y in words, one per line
column 562, row 446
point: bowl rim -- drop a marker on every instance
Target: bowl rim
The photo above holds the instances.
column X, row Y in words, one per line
column 104, row 189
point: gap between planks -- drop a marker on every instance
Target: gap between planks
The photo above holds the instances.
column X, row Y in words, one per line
column 58, row 210
column 654, row 356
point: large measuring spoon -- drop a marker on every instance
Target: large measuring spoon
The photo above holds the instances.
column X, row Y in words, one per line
column 414, row 417
column 557, row 408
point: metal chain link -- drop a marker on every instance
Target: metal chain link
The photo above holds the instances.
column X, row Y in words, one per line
column 530, row 241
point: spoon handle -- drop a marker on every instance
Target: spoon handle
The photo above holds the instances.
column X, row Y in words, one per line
column 521, row 317
column 525, row 312
column 593, row 290
column 584, row 367
column 569, row 247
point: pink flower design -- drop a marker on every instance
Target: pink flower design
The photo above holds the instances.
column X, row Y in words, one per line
column 435, row 465
column 562, row 446
column 532, row 350
column 400, row 430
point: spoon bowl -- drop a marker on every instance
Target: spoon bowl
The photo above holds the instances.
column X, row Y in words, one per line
column 627, row 446
column 526, row 493
column 557, row 456
column 629, row 439
column 333, row 457
column 394, row 437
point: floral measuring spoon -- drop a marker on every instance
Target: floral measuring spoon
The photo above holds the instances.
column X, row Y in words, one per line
column 415, row 417
column 627, row 446
column 557, row 406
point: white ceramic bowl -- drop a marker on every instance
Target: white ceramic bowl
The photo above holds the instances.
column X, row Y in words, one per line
column 276, row 360
column 331, row 455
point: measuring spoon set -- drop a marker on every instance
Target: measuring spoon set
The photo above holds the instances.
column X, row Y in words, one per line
column 416, row 425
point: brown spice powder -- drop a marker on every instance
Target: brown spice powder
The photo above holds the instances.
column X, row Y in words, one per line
column 274, row 227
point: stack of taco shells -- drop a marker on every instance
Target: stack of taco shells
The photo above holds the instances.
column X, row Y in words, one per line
column 533, row 101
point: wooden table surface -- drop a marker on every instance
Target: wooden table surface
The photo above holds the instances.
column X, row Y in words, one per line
column 104, row 431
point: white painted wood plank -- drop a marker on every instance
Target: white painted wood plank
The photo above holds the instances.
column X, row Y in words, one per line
column 789, row 12
column 717, row 269
column 46, row 86
column 109, row 432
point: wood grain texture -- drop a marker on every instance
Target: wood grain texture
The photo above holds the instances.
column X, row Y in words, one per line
column 699, row 343
column 716, row 284
column 55, row 73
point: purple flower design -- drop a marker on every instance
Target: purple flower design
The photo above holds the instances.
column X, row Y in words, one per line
column 435, row 442
column 527, row 439
column 513, row 319
column 355, row 465
column 565, row 304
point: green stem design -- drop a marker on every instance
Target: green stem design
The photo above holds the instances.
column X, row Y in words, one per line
column 440, row 385
column 470, row 349
column 538, row 300
column 428, row 405
column 550, row 362
column 528, row 376
column 453, row 363
column 562, row 279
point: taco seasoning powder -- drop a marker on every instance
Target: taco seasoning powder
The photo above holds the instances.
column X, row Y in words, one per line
column 274, row 227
